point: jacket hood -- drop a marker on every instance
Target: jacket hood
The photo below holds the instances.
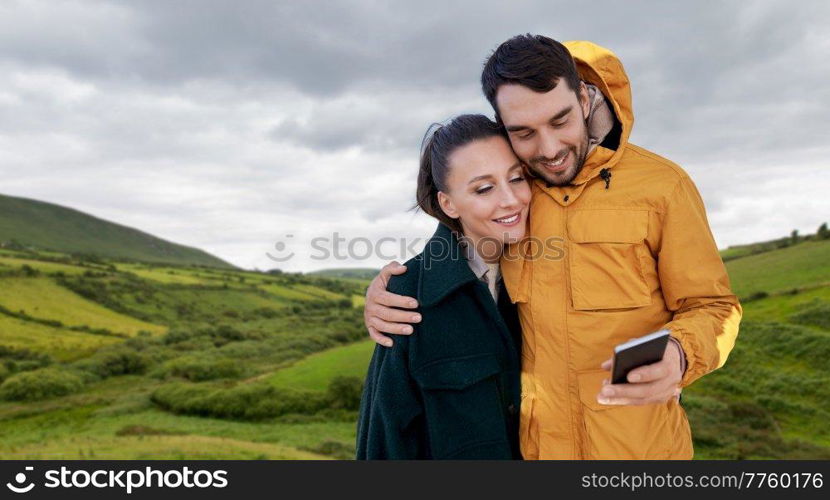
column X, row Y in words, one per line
column 601, row 67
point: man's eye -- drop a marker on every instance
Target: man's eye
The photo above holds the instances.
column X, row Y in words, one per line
column 527, row 135
column 484, row 189
column 560, row 124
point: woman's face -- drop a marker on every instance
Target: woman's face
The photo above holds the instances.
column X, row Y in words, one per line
column 487, row 191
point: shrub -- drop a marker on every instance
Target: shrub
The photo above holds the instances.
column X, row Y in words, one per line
column 112, row 363
column 176, row 336
column 755, row 296
column 266, row 312
column 199, row 370
column 28, row 270
column 20, row 360
column 143, row 430
column 344, row 393
column 225, row 333
column 40, row 384
column 243, row 402
column 21, row 354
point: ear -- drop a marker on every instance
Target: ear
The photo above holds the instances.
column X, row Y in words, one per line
column 584, row 101
column 446, row 204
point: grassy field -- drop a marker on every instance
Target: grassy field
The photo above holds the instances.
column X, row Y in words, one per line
column 163, row 275
column 782, row 307
column 284, row 292
column 115, row 421
column 772, row 399
column 28, row 294
column 245, row 365
column 78, row 379
column 317, row 292
column 60, row 343
column 153, row 447
column 361, row 273
column 316, row 371
column 43, row 266
column 803, row 265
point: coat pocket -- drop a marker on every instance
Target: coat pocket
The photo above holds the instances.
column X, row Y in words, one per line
column 605, row 254
column 623, row 432
column 463, row 407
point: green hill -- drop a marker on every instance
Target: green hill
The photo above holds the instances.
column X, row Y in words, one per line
column 359, row 273
column 142, row 360
column 770, row 400
column 316, row 371
column 44, row 226
column 803, row 265
column 127, row 360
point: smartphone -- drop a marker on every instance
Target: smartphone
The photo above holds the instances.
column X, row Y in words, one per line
column 638, row 352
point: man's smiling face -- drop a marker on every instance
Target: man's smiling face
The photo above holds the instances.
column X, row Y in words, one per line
column 547, row 130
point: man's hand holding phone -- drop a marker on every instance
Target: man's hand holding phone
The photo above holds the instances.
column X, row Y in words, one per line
column 647, row 384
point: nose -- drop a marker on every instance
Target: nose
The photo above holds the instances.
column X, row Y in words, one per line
column 549, row 144
column 508, row 198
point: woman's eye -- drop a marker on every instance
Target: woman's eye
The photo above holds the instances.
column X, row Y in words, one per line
column 483, row 189
column 517, row 179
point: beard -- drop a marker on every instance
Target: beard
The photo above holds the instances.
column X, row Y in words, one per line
column 579, row 152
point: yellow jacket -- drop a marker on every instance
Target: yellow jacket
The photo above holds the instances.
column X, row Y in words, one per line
column 602, row 266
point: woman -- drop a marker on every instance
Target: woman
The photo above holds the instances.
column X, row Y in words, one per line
column 451, row 391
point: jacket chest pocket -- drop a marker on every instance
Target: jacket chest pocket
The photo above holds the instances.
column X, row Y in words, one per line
column 606, row 249
column 463, row 407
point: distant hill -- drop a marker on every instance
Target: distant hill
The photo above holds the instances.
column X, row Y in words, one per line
column 144, row 360
column 356, row 273
column 46, row 226
column 94, row 356
column 770, row 398
column 805, row 265
column 739, row 251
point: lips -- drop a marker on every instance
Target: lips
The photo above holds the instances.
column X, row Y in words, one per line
column 509, row 220
column 556, row 166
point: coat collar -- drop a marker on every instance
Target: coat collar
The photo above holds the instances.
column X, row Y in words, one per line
column 444, row 267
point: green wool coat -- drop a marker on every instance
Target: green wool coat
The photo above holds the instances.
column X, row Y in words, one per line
column 451, row 389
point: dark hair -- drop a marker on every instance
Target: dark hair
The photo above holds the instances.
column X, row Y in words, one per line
column 534, row 61
column 438, row 144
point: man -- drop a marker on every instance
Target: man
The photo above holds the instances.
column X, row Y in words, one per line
column 619, row 246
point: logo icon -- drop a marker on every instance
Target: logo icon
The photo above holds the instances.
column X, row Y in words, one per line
column 280, row 247
column 20, row 478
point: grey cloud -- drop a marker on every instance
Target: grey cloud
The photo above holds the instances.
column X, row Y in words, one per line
column 381, row 121
column 226, row 124
column 702, row 58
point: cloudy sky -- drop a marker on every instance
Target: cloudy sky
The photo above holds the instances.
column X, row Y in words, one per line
column 247, row 128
